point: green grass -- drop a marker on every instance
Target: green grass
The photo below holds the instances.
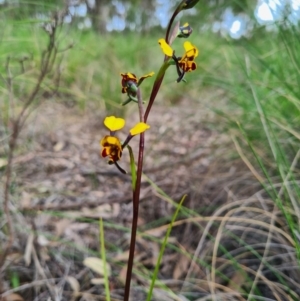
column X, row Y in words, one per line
column 90, row 67
column 262, row 84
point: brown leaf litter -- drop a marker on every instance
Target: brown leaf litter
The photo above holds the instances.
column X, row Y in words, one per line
column 63, row 187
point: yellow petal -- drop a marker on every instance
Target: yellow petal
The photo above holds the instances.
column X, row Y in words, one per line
column 113, row 123
column 139, row 128
column 166, row 48
column 129, row 76
column 113, row 140
column 147, row 75
column 190, row 49
column 103, row 141
column 110, row 140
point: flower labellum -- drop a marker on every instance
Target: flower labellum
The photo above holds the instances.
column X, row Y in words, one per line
column 187, row 63
column 112, row 148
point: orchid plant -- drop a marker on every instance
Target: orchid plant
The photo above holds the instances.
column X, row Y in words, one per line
column 111, row 145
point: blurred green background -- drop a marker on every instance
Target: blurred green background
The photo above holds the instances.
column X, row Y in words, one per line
column 249, row 53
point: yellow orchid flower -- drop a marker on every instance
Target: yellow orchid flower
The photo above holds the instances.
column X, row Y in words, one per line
column 127, row 80
column 131, row 82
column 186, row 62
column 111, row 145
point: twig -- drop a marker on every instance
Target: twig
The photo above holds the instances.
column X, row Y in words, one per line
column 42, row 273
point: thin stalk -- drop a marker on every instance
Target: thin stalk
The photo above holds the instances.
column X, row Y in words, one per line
column 136, row 200
column 176, row 12
column 137, row 189
column 159, row 78
column 140, row 105
column 164, row 67
column 154, row 92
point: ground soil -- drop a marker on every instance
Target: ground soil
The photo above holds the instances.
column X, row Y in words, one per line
column 61, row 185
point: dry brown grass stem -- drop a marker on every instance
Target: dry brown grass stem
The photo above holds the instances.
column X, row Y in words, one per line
column 220, row 296
column 286, row 128
column 224, row 219
column 237, row 211
column 286, row 185
column 246, row 161
column 270, row 233
column 35, row 283
column 50, row 284
column 275, row 287
column 248, row 218
column 226, row 293
column 204, row 284
column 262, row 233
column 209, row 225
column 244, row 253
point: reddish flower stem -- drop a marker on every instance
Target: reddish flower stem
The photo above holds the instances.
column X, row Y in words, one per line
column 136, row 192
column 154, row 92
column 176, row 12
column 158, row 82
column 136, row 200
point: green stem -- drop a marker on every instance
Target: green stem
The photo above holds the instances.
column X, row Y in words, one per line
column 162, row 249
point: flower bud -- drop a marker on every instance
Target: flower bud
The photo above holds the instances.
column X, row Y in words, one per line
column 187, row 4
column 132, row 86
column 184, row 31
